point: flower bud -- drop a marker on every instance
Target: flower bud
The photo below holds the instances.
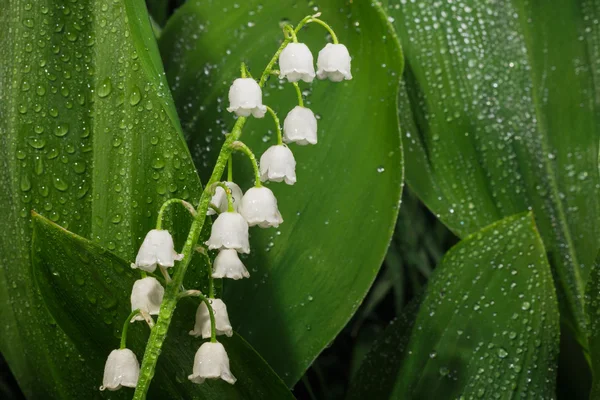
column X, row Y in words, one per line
column 211, row 362
column 245, row 98
column 259, row 207
column 121, row 369
column 296, row 63
column 219, row 199
column 229, row 231
column 334, row 63
column 300, row 127
column 278, row 164
column 157, row 248
column 222, row 324
column 227, row 264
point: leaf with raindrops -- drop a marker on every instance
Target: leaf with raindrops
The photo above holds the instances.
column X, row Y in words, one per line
column 87, row 291
column 500, row 114
column 487, row 327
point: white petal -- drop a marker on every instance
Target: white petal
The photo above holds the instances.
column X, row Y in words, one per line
column 211, row 362
column 121, row 369
column 157, row 248
column 147, row 295
column 300, row 127
column 259, row 207
column 296, row 63
column 222, row 324
column 278, row 164
column 219, row 199
column 227, row 264
column 229, row 231
column 333, row 62
column 245, row 98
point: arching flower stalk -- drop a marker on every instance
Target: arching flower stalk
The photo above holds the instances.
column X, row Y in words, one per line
column 235, row 213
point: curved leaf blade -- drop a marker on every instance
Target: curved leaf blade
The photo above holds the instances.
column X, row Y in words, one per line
column 87, row 290
column 488, row 325
column 90, row 138
column 501, row 115
column 592, row 300
column 310, row 275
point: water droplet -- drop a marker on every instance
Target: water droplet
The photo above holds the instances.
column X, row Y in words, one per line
column 59, row 184
column 158, row 163
column 36, row 143
column 79, row 167
column 104, row 88
column 40, row 90
column 135, row 96
column 25, row 183
column 502, row 353
column 61, row 129
column 525, row 306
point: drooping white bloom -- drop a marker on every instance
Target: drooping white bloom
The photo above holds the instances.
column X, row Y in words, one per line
column 259, row 207
column 157, row 248
column 222, row 324
column 300, row 127
column 296, row 63
column 278, row 164
column 229, row 231
column 121, row 369
column 245, row 98
column 227, row 264
column 211, row 362
column 334, row 63
column 219, row 199
column 146, row 295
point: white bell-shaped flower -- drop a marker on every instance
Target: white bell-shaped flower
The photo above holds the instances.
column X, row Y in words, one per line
column 245, row 98
column 229, row 231
column 259, row 207
column 222, row 324
column 147, row 295
column 219, row 199
column 121, row 369
column 334, row 63
column 300, row 127
column 211, row 362
column 296, row 63
column 157, row 248
column 278, row 164
column 227, row 264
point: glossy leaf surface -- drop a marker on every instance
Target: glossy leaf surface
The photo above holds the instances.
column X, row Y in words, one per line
column 488, row 325
column 593, row 313
column 91, row 140
column 309, row 276
column 87, row 290
column 501, row 114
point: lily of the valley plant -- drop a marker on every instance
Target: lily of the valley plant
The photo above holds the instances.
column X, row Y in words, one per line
column 235, row 212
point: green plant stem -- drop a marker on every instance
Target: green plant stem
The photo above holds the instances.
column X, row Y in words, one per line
column 126, row 327
column 159, row 332
column 299, row 93
column 230, row 169
column 277, row 124
column 228, row 194
column 246, row 150
column 326, row 26
column 166, row 204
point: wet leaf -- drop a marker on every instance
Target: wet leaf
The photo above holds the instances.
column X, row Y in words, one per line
column 592, row 297
column 310, row 275
column 87, row 290
column 501, row 115
column 488, row 325
column 90, row 140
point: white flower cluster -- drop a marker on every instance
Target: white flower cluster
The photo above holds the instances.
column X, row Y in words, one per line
column 237, row 211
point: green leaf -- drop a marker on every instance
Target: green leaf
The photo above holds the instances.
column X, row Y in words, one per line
column 501, row 115
column 488, row 325
column 310, row 275
column 87, row 290
column 91, row 140
column 592, row 297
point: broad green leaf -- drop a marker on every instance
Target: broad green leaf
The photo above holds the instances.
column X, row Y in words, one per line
column 488, row 325
column 87, row 290
column 309, row 276
column 501, row 114
column 91, row 140
column 592, row 297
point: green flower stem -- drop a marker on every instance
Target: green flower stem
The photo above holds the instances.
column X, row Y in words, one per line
column 230, row 169
column 323, row 24
column 246, row 150
column 277, row 124
column 159, row 332
column 166, row 204
column 211, row 312
column 228, row 194
column 299, row 93
column 126, row 327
